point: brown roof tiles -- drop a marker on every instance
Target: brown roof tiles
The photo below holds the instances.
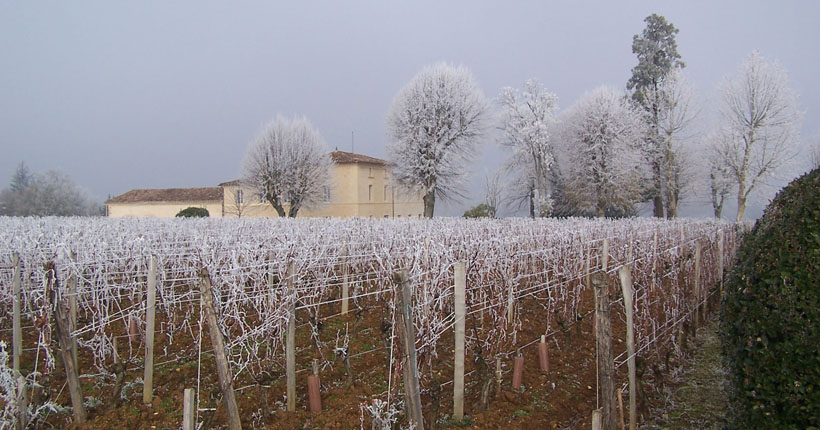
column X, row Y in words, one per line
column 169, row 195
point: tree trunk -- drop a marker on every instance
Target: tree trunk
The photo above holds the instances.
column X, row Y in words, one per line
column 672, row 206
column 658, row 207
column 741, row 204
column 429, row 203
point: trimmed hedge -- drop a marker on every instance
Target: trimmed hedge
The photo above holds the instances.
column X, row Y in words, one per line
column 770, row 315
column 192, row 212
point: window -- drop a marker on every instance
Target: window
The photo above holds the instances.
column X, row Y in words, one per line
column 386, row 215
column 369, row 172
column 369, row 192
column 385, row 193
column 326, row 194
column 239, row 196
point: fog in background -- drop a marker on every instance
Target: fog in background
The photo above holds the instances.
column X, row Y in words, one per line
column 170, row 94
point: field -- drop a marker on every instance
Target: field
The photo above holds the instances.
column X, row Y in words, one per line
column 524, row 279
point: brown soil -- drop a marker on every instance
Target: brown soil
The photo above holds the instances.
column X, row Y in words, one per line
column 562, row 399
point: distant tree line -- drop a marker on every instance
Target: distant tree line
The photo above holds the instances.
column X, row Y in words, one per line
column 608, row 152
column 45, row 194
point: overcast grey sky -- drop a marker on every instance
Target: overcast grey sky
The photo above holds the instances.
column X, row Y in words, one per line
column 123, row 95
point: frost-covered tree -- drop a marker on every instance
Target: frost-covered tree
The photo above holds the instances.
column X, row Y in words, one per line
column 760, row 121
column 434, row 126
column 676, row 99
column 658, row 56
column 528, row 122
column 288, row 164
column 602, row 168
column 44, row 194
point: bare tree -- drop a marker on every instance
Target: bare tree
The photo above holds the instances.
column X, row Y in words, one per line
column 434, row 125
column 814, row 156
column 528, row 120
column 720, row 181
column 675, row 116
column 240, row 202
column 288, row 164
column 494, row 189
column 760, row 122
column 602, row 167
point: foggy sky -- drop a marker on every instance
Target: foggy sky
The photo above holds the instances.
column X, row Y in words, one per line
column 169, row 94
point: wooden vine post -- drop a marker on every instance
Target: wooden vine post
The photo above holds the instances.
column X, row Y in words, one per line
column 345, row 283
column 188, row 404
column 17, row 330
column 64, row 338
column 290, row 341
column 407, row 341
column 698, row 293
column 720, row 259
column 460, row 315
column 625, row 275
column 150, row 314
column 222, row 369
column 603, row 340
column 22, row 403
column 71, row 283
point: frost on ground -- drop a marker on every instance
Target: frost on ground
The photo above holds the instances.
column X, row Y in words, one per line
column 698, row 399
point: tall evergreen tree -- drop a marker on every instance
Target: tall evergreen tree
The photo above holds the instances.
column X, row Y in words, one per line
column 657, row 52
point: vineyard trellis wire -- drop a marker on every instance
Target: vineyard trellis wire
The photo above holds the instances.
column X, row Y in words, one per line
column 507, row 261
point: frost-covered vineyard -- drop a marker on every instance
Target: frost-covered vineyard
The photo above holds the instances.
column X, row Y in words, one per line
column 508, row 263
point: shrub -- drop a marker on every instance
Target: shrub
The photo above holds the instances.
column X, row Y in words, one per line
column 481, row 211
column 192, row 212
column 770, row 315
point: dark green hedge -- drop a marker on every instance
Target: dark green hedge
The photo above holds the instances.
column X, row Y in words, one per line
column 192, row 212
column 770, row 315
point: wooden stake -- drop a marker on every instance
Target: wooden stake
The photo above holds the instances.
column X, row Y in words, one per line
column 345, row 284
column 654, row 259
column 22, row 403
column 407, row 341
column 621, row 408
column 720, row 259
column 222, row 369
column 290, row 342
column 188, row 404
column 150, row 313
column 698, row 294
column 71, row 283
column 510, row 301
column 17, row 331
column 625, row 274
column 498, row 379
column 605, row 256
column 460, row 313
column 603, row 338
column 64, row 338
column 272, row 282
column 597, row 419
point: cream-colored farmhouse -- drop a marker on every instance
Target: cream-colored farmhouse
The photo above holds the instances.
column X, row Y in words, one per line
column 361, row 187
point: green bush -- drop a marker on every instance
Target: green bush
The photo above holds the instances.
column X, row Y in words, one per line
column 192, row 212
column 481, row 211
column 770, row 315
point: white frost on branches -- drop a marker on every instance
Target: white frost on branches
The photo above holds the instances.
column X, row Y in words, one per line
column 528, row 120
column 434, row 125
column 603, row 168
column 760, row 123
column 288, row 163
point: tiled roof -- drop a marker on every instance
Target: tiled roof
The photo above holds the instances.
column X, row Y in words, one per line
column 342, row 157
column 169, row 195
column 234, row 183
